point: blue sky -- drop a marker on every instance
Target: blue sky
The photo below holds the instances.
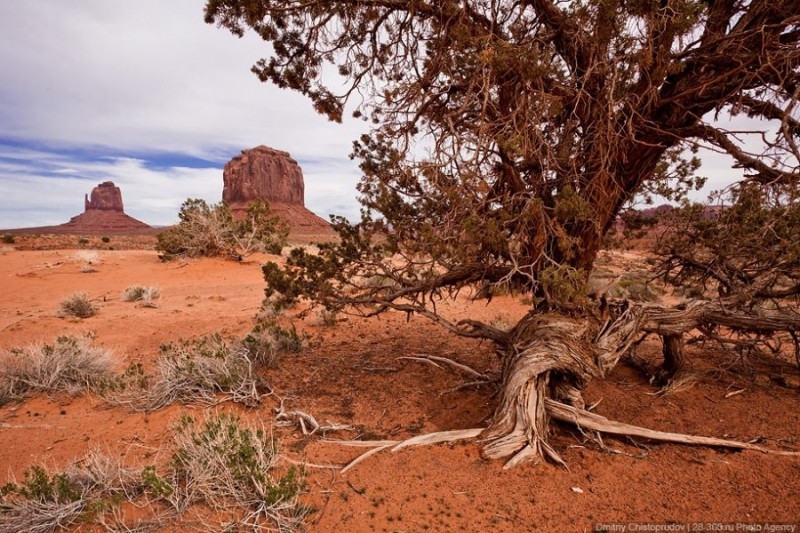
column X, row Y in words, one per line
column 147, row 95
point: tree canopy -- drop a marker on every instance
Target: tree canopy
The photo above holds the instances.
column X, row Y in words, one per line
column 506, row 138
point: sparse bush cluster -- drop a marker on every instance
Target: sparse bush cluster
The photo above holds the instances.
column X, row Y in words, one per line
column 211, row 231
column 78, row 305
column 69, row 365
column 8, row 239
column 221, row 464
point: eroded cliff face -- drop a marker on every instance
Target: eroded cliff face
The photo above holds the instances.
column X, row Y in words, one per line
column 106, row 197
column 264, row 173
column 272, row 175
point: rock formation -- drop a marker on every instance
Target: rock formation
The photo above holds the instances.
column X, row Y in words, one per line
column 106, row 197
column 272, row 175
column 103, row 213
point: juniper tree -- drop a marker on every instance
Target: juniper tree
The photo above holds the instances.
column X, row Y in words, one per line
column 506, row 138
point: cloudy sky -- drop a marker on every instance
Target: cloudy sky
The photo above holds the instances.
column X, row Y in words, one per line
column 147, row 95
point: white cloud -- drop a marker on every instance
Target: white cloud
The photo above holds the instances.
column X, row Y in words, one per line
column 90, row 78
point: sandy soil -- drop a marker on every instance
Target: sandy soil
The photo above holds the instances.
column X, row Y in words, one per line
column 352, row 375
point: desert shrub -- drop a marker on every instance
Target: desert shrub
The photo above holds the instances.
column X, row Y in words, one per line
column 195, row 372
column 46, row 501
column 210, row 231
column 224, row 464
column 69, row 365
column 78, row 305
column 220, row 465
column 105, row 239
column 145, row 295
column 268, row 342
column 83, row 241
column 8, row 239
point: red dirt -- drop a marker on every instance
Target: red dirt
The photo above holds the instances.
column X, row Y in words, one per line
column 352, row 375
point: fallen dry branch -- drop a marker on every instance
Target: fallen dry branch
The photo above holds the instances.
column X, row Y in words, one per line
column 558, row 411
column 586, row 420
column 306, row 422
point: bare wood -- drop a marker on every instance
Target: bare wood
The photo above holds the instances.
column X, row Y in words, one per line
column 585, row 419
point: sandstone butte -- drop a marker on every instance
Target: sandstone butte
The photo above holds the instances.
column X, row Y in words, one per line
column 272, row 175
column 103, row 214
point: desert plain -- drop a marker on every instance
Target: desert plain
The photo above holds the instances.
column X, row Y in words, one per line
column 370, row 374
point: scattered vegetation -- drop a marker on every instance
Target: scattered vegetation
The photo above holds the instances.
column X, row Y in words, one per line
column 541, row 122
column 8, row 239
column 223, row 464
column 220, row 464
column 78, row 305
column 268, row 342
column 68, row 365
column 105, row 239
column 211, row 231
column 146, row 296
column 205, row 371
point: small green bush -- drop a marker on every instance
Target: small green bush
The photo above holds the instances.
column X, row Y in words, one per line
column 223, row 462
column 78, row 305
column 8, row 239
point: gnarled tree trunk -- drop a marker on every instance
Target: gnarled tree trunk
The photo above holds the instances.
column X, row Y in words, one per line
column 553, row 356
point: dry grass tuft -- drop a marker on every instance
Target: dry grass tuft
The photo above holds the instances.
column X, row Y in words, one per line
column 78, row 305
column 146, row 296
column 206, row 371
column 69, row 365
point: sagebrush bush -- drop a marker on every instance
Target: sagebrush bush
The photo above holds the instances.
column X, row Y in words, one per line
column 145, row 295
column 8, row 239
column 78, row 305
column 210, row 231
column 68, row 365
column 46, row 501
column 223, row 463
column 204, row 371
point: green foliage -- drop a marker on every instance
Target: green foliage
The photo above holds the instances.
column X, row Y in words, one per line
column 40, row 486
column 224, row 462
column 563, row 284
column 8, row 239
column 747, row 245
column 268, row 342
column 78, row 305
column 155, row 484
column 504, row 147
column 211, row 231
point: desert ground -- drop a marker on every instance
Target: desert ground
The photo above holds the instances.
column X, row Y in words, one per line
column 368, row 374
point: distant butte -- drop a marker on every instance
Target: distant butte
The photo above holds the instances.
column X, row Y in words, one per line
column 272, row 175
column 103, row 214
